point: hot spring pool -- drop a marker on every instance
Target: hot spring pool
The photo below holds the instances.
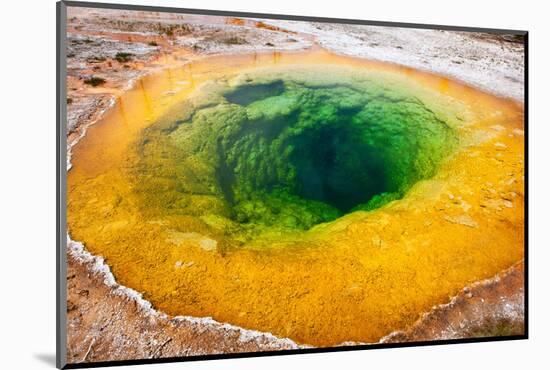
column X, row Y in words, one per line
column 317, row 197
column 288, row 149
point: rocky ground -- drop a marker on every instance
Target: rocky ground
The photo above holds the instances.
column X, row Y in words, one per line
column 491, row 62
column 108, row 50
column 108, row 322
column 490, row 307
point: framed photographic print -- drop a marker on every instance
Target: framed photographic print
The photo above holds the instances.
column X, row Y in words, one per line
column 236, row 184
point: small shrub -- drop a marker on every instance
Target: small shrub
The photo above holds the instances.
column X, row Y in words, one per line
column 234, row 41
column 124, row 57
column 169, row 32
column 96, row 59
column 152, row 43
column 69, row 100
column 95, row 81
column 269, row 44
column 173, row 29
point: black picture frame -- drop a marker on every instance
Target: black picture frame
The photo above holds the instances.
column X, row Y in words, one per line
column 61, row 188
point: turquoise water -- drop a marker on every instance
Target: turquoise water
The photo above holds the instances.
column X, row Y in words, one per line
column 289, row 150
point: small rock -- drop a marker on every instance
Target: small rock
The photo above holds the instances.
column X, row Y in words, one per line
column 461, row 220
column 518, row 132
column 465, row 206
column 70, row 306
column 507, row 203
column 180, row 264
column 208, row 244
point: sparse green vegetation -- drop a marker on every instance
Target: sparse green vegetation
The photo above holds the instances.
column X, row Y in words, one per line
column 140, row 26
column 173, row 29
column 81, row 41
column 123, row 57
column 95, row 59
column 95, row 81
column 235, row 41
